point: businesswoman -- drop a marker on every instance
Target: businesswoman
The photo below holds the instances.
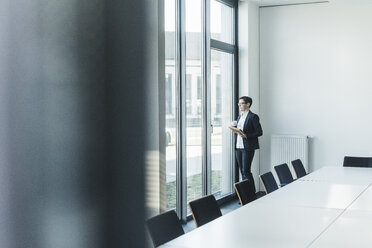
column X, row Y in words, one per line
column 246, row 145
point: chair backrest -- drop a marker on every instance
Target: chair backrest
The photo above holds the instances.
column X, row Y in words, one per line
column 357, row 161
column 245, row 191
column 299, row 168
column 269, row 183
column 204, row 210
column 164, row 227
column 284, row 174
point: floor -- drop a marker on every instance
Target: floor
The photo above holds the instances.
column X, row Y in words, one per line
column 225, row 208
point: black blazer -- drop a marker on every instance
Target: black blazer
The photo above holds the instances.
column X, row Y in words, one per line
column 252, row 129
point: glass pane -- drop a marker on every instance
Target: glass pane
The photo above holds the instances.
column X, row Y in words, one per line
column 193, row 99
column 222, row 22
column 170, row 103
column 221, row 116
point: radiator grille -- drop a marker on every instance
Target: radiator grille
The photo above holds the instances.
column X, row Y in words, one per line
column 286, row 148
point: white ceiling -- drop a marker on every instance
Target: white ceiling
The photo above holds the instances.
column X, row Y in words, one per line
column 286, row 2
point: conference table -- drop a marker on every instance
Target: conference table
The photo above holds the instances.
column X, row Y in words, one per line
column 330, row 207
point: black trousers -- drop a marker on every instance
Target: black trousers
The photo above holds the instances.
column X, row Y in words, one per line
column 244, row 159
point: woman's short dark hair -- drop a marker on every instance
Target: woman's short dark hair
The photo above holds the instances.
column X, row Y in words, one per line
column 247, row 99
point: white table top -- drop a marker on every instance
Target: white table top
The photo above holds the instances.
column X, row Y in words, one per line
column 352, row 229
column 344, row 175
column 364, row 201
column 261, row 225
column 318, row 210
column 319, row 194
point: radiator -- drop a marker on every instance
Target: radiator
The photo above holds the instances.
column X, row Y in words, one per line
column 286, row 148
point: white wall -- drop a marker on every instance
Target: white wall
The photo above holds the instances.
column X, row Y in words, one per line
column 249, row 64
column 316, row 79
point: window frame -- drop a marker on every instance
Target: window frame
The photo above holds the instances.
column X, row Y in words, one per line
column 180, row 77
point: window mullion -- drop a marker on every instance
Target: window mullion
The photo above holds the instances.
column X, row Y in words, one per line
column 207, row 97
column 181, row 112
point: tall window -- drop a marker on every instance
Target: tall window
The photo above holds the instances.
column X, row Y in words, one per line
column 218, row 95
column 171, row 103
column 201, row 57
column 188, row 94
column 168, row 94
column 199, row 89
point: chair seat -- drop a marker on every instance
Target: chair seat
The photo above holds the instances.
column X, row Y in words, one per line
column 365, row 162
column 269, row 183
column 298, row 168
column 164, row 227
column 284, row 174
column 245, row 192
column 204, row 210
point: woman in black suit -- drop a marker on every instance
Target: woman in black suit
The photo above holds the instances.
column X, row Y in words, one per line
column 245, row 146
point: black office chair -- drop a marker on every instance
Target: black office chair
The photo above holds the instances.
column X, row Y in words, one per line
column 204, row 210
column 357, row 161
column 269, row 183
column 284, row 174
column 298, row 168
column 164, row 227
column 245, row 192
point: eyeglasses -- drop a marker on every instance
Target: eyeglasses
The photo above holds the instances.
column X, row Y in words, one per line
column 240, row 104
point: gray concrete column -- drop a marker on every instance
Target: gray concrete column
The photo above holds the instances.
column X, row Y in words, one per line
column 72, row 78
